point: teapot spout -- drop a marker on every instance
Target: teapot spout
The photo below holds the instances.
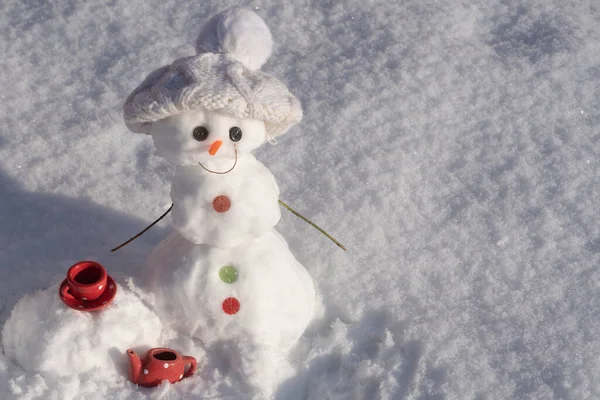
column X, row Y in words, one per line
column 135, row 366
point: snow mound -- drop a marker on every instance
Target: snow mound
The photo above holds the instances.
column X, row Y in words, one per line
column 43, row 334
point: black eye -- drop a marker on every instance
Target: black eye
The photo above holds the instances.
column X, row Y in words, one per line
column 200, row 133
column 235, row 134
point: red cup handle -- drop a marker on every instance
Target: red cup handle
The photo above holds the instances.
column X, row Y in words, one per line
column 193, row 364
column 65, row 292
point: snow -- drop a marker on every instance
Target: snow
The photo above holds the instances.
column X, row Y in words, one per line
column 44, row 336
column 453, row 149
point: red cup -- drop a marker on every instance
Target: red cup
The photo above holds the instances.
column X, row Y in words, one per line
column 86, row 280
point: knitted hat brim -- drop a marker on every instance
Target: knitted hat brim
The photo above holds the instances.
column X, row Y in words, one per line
column 214, row 82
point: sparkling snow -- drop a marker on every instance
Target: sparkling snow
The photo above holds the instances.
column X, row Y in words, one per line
column 452, row 147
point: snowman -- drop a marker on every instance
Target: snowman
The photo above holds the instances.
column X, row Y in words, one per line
column 224, row 276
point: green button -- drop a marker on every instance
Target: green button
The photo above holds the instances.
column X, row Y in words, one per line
column 228, row 274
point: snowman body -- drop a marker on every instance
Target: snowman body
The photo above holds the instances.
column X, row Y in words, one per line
column 228, row 274
column 225, row 276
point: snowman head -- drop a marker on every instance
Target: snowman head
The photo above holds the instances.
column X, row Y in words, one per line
column 200, row 135
column 197, row 102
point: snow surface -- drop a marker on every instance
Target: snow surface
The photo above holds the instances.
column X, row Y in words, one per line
column 451, row 146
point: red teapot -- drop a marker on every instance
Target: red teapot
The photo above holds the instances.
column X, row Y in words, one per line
column 158, row 365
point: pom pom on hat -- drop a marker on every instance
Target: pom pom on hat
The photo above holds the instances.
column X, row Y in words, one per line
column 241, row 34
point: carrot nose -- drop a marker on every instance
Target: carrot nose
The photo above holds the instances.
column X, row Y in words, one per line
column 214, row 147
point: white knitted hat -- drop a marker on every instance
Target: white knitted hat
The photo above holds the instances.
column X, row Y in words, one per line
column 223, row 77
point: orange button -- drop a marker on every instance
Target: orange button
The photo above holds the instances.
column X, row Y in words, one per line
column 221, row 204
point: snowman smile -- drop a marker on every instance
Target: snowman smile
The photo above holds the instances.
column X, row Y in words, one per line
column 225, row 172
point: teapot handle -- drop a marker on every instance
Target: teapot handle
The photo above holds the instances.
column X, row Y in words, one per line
column 193, row 364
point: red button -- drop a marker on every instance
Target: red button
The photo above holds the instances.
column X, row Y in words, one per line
column 221, row 204
column 231, row 305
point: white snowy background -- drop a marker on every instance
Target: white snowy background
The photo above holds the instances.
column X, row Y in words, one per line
column 452, row 146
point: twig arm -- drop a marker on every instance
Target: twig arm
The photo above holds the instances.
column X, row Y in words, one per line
column 296, row 213
column 290, row 209
column 142, row 232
